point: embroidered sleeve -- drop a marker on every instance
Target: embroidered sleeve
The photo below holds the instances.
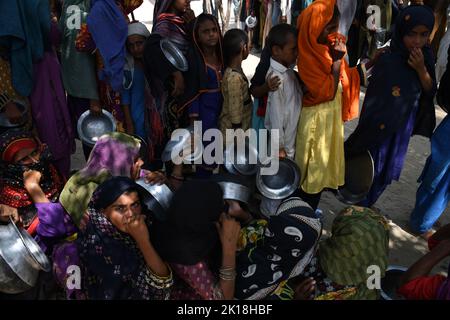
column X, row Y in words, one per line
column 152, row 286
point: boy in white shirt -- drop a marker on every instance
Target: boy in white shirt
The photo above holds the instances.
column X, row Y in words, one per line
column 284, row 104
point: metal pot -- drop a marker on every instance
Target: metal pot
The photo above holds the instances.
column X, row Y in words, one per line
column 161, row 197
column 235, row 191
column 174, row 147
column 21, row 259
column 5, row 123
column 245, row 163
column 282, row 184
column 359, row 173
column 390, row 282
column 174, row 55
column 91, row 127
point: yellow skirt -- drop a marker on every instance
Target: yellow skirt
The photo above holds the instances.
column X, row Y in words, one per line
column 320, row 146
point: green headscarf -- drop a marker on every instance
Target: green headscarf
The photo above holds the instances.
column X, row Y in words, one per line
column 360, row 238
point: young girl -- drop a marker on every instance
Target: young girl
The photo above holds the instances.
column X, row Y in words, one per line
column 203, row 97
column 237, row 109
column 331, row 97
column 399, row 100
column 171, row 20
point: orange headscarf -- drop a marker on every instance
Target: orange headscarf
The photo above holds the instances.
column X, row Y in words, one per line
column 315, row 62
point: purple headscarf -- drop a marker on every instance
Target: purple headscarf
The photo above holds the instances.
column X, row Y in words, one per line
column 113, row 155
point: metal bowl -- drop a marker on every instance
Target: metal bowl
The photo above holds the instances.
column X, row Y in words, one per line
column 245, row 163
column 160, row 199
column 21, row 259
column 390, row 283
column 91, row 127
column 174, row 55
column 359, row 173
column 174, row 147
column 282, row 184
column 235, row 191
column 251, row 22
column 5, row 123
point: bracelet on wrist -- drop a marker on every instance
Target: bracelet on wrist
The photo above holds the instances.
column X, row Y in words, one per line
column 227, row 273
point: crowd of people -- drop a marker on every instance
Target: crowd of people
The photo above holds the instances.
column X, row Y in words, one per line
column 315, row 57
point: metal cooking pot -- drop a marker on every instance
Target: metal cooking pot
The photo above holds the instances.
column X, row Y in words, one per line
column 174, row 55
column 359, row 173
column 184, row 143
column 21, row 259
column 91, row 127
column 162, row 57
column 161, row 197
column 245, row 163
column 5, row 123
column 282, row 184
column 235, row 191
column 390, row 283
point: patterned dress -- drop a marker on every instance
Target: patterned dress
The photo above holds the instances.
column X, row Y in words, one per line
column 113, row 266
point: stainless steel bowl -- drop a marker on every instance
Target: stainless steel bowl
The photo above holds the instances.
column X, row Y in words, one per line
column 160, row 199
column 174, row 55
column 21, row 259
column 238, row 162
column 251, row 22
column 174, row 147
column 5, row 123
column 235, row 191
column 282, row 184
column 390, row 283
column 91, row 127
column 359, row 173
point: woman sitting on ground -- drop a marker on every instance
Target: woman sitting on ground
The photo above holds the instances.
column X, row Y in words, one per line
column 417, row 283
column 21, row 154
column 117, row 257
column 340, row 271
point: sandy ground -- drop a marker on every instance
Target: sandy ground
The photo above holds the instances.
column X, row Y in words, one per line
column 397, row 201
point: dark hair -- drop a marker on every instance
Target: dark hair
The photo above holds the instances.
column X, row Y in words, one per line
column 278, row 35
column 201, row 19
column 232, row 42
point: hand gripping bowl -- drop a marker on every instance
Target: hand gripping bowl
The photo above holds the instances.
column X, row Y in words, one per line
column 174, row 55
column 21, row 259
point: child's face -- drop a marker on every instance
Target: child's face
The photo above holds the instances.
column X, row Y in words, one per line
column 286, row 55
column 416, row 38
column 208, row 34
column 135, row 44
